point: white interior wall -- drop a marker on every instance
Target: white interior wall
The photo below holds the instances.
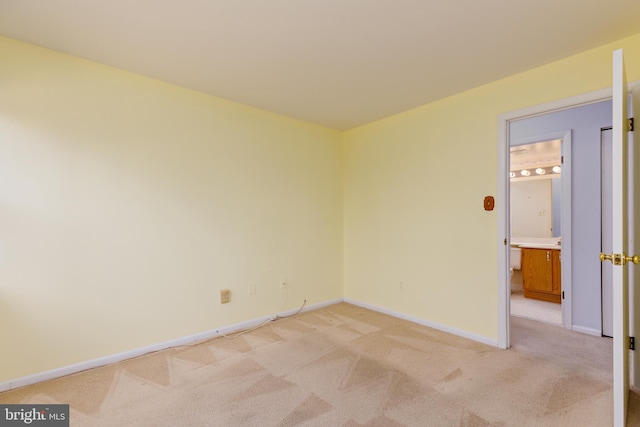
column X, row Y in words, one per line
column 531, row 210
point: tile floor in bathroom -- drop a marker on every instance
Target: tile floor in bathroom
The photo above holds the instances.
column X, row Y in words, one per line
column 542, row 311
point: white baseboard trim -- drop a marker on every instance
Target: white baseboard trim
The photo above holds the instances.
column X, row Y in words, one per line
column 190, row 339
column 423, row 322
column 588, row 331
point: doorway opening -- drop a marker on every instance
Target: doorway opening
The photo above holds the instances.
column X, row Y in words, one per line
column 606, row 136
column 536, row 201
column 518, row 126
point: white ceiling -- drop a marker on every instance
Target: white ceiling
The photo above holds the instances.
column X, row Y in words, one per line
column 338, row 63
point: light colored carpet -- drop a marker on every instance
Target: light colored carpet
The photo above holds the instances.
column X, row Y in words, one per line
column 347, row 366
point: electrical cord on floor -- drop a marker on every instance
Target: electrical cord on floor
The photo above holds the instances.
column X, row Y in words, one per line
column 272, row 319
column 291, row 315
column 244, row 331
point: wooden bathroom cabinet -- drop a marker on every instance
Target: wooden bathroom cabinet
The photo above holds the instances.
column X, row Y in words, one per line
column 541, row 274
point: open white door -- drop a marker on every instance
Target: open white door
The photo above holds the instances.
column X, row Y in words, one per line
column 618, row 256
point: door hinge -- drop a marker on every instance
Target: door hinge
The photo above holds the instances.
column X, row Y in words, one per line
column 632, row 343
column 562, row 294
column 631, row 123
column 562, row 160
column 505, row 242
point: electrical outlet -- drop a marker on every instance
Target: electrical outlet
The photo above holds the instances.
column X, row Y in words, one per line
column 225, row 296
column 252, row 289
column 283, row 283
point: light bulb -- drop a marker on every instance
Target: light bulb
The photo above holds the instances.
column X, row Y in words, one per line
column 525, row 172
column 512, row 174
column 556, row 169
column 540, row 171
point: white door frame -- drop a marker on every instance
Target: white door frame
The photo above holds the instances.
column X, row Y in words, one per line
column 504, row 291
column 634, row 239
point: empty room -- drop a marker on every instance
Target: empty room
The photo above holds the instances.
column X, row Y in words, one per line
column 297, row 213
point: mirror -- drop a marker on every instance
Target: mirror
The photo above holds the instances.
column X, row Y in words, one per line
column 536, row 189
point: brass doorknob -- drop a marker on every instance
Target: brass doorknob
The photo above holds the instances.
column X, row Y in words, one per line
column 604, row 257
column 634, row 259
column 618, row 259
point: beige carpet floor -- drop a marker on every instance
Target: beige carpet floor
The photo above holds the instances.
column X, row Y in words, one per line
column 347, row 366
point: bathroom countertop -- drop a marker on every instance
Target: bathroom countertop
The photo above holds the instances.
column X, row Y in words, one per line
column 536, row 242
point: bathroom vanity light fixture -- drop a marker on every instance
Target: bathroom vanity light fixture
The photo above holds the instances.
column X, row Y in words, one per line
column 519, row 174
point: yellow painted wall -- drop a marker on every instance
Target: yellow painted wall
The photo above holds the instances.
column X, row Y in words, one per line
column 414, row 187
column 127, row 203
